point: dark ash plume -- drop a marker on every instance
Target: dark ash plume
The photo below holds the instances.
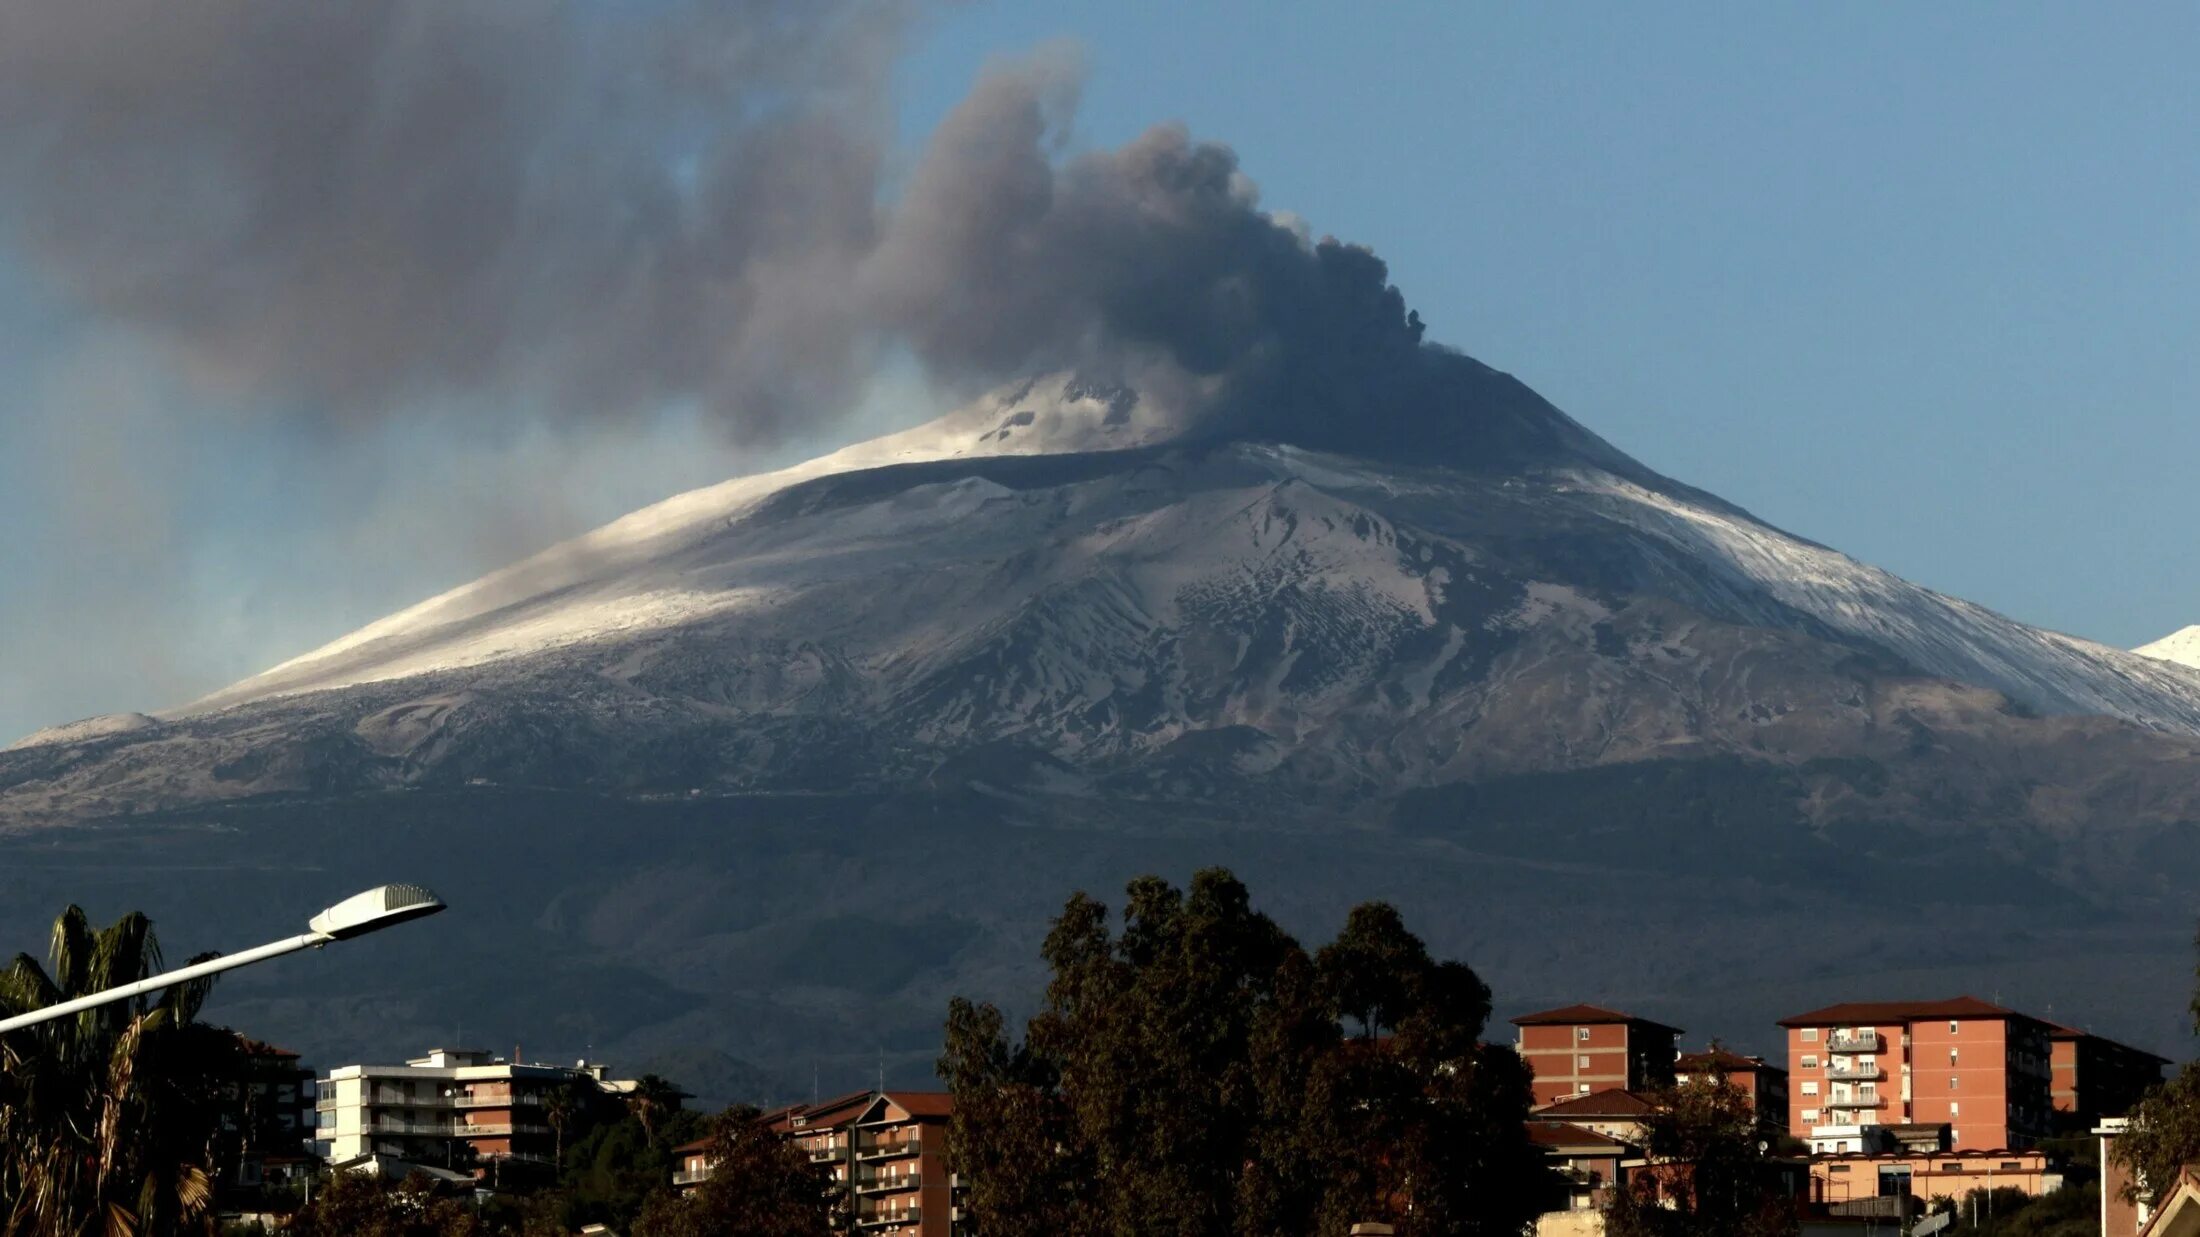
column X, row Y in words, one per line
column 360, row 208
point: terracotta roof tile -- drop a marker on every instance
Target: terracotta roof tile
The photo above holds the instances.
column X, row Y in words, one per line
column 1883, row 1013
column 1561, row 1134
column 1612, row 1103
column 1585, row 1015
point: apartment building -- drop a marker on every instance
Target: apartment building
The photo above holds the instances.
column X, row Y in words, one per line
column 887, row 1148
column 457, row 1109
column 1764, row 1083
column 1960, row 1075
column 2095, row 1078
column 1582, row 1049
column 267, row 1118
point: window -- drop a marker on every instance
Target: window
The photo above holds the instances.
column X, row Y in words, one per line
column 2010, row 1166
column 1952, row 1028
column 1837, row 1168
column 1951, row 1082
column 1951, row 1168
column 1581, row 1035
column 1954, row 1109
column 1951, row 1056
column 1810, row 1035
column 1810, row 1062
column 1810, row 1088
column 1584, row 1062
column 1809, row 1115
column 1583, row 1089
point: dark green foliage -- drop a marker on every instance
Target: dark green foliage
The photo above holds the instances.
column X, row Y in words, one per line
column 1710, row 1174
column 110, row 1120
column 357, row 1205
column 1192, row 1075
column 2073, row 1211
column 760, row 1185
column 2164, row 1134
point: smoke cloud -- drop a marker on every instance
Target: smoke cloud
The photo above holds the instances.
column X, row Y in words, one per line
column 365, row 209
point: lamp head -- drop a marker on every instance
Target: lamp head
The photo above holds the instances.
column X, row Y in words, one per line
column 375, row 909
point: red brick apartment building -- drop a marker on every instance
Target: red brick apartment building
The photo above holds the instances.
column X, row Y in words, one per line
column 888, row 1147
column 1765, row 1084
column 1868, row 1073
column 1582, row 1049
column 2095, row 1077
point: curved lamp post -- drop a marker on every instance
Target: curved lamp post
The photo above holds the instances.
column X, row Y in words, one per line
column 357, row 915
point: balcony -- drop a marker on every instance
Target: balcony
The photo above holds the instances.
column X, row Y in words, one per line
column 888, row 1151
column 496, row 1101
column 883, row 1219
column 1857, row 1101
column 824, row 1155
column 398, row 1125
column 1855, row 1073
column 496, row 1129
column 1854, row 1041
column 691, row 1176
column 884, row 1183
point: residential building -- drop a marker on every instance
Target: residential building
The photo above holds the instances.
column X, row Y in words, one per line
column 1765, row 1084
column 888, row 1148
column 2120, row 1216
column 1946, row 1174
column 1582, row 1049
column 1589, row 1162
column 2095, row 1077
column 267, row 1121
column 458, row 1109
column 1624, row 1115
column 1865, row 1070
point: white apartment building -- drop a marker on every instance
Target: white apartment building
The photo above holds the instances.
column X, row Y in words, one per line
column 455, row 1109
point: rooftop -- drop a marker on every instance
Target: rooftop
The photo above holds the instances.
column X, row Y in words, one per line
column 1586, row 1016
column 1881, row 1013
column 1610, row 1103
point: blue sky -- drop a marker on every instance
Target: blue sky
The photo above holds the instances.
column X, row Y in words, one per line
column 1918, row 282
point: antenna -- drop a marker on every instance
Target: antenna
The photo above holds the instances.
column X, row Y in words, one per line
column 882, row 1071
column 813, row 1082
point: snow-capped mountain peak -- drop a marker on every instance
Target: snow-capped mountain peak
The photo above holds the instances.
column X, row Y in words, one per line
column 2181, row 646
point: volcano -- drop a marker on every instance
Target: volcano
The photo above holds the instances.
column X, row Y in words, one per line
column 767, row 769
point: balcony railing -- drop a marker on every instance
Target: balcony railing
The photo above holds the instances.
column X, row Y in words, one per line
column 824, row 1155
column 1854, row 1041
column 398, row 1125
column 496, row 1129
column 691, row 1176
column 880, row 1219
column 1855, row 1073
column 887, row 1151
column 496, row 1101
column 1858, row 1101
column 884, row 1183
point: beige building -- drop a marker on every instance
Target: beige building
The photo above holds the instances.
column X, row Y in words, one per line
column 453, row 1109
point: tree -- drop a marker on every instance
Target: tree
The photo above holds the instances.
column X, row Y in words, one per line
column 109, row 1120
column 2164, row 1133
column 651, row 1101
column 1709, row 1175
column 1191, row 1075
column 760, row 1185
column 360, row 1205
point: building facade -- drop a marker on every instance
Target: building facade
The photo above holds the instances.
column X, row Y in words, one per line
column 1764, row 1083
column 888, row 1149
column 1865, row 1074
column 1582, row 1049
column 458, row 1109
column 1946, row 1174
column 2096, row 1078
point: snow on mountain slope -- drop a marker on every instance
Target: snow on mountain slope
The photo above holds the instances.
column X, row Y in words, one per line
column 726, row 559
column 2181, row 647
column 1943, row 636
column 1051, row 415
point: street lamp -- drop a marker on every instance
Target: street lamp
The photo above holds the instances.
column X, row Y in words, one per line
column 357, row 915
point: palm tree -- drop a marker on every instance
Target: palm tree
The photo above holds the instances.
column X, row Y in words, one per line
column 109, row 1120
column 651, row 1100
